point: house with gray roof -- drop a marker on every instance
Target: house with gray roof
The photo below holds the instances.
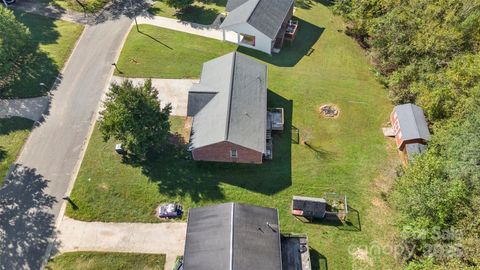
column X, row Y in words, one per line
column 410, row 127
column 233, row 236
column 258, row 23
column 229, row 110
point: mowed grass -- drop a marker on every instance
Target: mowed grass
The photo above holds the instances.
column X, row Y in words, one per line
column 157, row 52
column 13, row 133
column 51, row 44
column 199, row 12
column 106, row 260
column 347, row 155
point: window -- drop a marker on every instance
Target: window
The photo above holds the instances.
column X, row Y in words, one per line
column 233, row 153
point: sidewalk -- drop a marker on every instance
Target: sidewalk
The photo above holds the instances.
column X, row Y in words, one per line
column 187, row 27
column 160, row 238
column 31, row 108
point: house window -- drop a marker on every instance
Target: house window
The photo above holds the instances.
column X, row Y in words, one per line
column 233, row 153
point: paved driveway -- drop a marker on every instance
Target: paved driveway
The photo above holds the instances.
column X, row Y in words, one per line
column 173, row 91
column 166, row 238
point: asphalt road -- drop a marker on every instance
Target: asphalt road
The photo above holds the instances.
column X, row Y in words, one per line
column 31, row 198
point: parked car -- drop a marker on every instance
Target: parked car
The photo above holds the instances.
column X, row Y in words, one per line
column 170, row 210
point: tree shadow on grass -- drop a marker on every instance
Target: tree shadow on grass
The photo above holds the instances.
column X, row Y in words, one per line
column 26, row 223
column 220, row 3
column 12, row 124
column 198, row 14
column 178, row 175
column 291, row 54
column 36, row 71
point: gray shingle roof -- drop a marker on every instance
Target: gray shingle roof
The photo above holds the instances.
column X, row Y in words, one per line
column 238, row 111
column 197, row 100
column 412, row 122
column 266, row 16
column 232, row 236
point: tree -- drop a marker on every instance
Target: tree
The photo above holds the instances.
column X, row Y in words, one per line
column 14, row 42
column 179, row 4
column 133, row 116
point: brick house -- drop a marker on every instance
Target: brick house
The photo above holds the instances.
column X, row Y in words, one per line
column 229, row 110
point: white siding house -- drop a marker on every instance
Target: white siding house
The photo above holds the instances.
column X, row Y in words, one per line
column 257, row 23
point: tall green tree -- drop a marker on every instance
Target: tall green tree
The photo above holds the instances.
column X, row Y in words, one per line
column 133, row 116
column 14, row 42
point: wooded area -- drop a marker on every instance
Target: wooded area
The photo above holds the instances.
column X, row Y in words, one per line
column 427, row 52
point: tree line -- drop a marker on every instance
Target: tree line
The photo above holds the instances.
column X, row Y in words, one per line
column 427, row 52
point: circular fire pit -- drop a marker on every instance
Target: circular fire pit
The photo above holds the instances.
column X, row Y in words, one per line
column 329, row 111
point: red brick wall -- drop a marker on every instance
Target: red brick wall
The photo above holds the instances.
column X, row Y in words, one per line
column 220, row 152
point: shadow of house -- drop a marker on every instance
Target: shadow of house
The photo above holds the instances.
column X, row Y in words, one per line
column 178, row 175
column 291, row 54
column 26, row 222
column 319, row 262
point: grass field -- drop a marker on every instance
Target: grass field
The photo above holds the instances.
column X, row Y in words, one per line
column 51, row 46
column 202, row 12
column 106, row 260
column 13, row 133
column 157, row 52
column 346, row 155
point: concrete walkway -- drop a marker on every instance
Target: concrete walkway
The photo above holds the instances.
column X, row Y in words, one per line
column 31, row 108
column 187, row 27
column 173, row 91
column 166, row 238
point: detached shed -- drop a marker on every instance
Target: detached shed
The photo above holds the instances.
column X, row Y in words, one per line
column 409, row 125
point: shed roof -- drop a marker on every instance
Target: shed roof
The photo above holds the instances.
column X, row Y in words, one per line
column 232, row 236
column 266, row 16
column 412, row 122
column 238, row 111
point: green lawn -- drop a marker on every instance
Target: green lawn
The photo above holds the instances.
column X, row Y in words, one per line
column 51, row 46
column 13, row 133
column 202, row 12
column 106, row 260
column 346, row 155
column 159, row 52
